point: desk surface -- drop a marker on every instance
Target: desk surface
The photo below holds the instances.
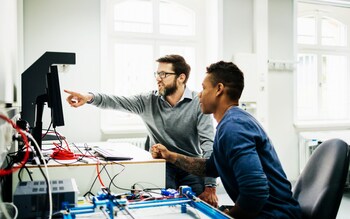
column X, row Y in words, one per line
column 139, row 155
column 142, row 170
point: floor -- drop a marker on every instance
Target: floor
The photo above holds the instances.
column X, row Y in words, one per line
column 343, row 213
column 344, row 209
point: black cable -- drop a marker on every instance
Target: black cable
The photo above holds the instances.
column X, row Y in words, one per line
column 148, row 190
column 80, row 150
column 11, row 154
column 93, row 183
column 156, row 187
column 112, row 178
column 14, row 158
column 83, row 154
column 77, row 159
column 24, row 167
column 65, row 163
column 47, row 130
column 58, row 136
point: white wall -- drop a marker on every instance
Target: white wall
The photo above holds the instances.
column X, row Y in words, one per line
column 237, row 27
column 8, row 50
column 68, row 26
column 281, row 86
column 238, row 38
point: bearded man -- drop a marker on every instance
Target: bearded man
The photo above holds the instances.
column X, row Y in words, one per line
column 173, row 118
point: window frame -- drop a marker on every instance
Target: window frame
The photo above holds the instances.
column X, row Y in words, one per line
column 321, row 50
column 109, row 36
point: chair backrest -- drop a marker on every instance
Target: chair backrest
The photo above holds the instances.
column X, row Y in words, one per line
column 319, row 188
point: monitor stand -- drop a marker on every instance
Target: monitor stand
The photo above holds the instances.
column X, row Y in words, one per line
column 37, row 130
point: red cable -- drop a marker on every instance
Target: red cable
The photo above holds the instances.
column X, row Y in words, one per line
column 99, row 175
column 61, row 137
column 4, row 172
column 57, row 154
column 62, row 154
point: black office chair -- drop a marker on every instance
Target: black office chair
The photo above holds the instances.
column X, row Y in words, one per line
column 319, row 188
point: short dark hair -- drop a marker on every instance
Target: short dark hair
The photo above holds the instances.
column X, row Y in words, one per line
column 179, row 64
column 229, row 75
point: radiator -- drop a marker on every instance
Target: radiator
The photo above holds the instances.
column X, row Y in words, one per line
column 308, row 142
column 139, row 142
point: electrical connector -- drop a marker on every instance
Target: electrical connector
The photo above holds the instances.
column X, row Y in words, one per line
column 170, row 192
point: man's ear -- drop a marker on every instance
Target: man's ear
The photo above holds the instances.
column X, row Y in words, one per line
column 220, row 89
column 182, row 77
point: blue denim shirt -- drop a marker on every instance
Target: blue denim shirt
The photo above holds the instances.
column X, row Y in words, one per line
column 245, row 159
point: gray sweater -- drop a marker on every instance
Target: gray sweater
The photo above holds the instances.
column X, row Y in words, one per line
column 182, row 128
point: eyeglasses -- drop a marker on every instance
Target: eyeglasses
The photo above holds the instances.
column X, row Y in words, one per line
column 163, row 74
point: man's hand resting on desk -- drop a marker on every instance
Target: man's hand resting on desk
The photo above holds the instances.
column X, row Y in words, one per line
column 209, row 196
column 78, row 99
column 160, row 151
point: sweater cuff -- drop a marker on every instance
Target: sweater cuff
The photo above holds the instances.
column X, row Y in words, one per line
column 210, row 181
column 92, row 99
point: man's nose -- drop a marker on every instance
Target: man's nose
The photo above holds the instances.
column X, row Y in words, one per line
column 158, row 78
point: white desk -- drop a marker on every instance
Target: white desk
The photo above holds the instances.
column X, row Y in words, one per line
column 143, row 169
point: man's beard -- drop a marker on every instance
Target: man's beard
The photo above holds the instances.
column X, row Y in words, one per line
column 169, row 90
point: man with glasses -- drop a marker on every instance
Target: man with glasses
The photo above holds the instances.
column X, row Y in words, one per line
column 173, row 118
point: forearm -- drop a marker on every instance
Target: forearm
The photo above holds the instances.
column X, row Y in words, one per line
column 131, row 104
column 190, row 164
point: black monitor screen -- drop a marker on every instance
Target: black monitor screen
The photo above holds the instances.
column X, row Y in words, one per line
column 34, row 81
column 54, row 97
column 40, row 85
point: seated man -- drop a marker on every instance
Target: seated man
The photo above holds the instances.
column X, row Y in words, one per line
column 172, row 117
column 243, row 155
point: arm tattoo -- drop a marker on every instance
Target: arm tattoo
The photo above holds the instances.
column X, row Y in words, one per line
column 192, row 165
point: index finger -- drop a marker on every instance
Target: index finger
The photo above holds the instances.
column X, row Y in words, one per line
column 70, row 92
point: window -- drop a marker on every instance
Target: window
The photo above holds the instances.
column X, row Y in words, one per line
column 322, row 84
column 137, row 32
column 139, row 19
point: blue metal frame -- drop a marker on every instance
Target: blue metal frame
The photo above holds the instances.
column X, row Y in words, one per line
column 109, row 201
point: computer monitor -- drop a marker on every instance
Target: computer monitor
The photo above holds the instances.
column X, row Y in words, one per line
column 54, row 97
column 40, row 85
